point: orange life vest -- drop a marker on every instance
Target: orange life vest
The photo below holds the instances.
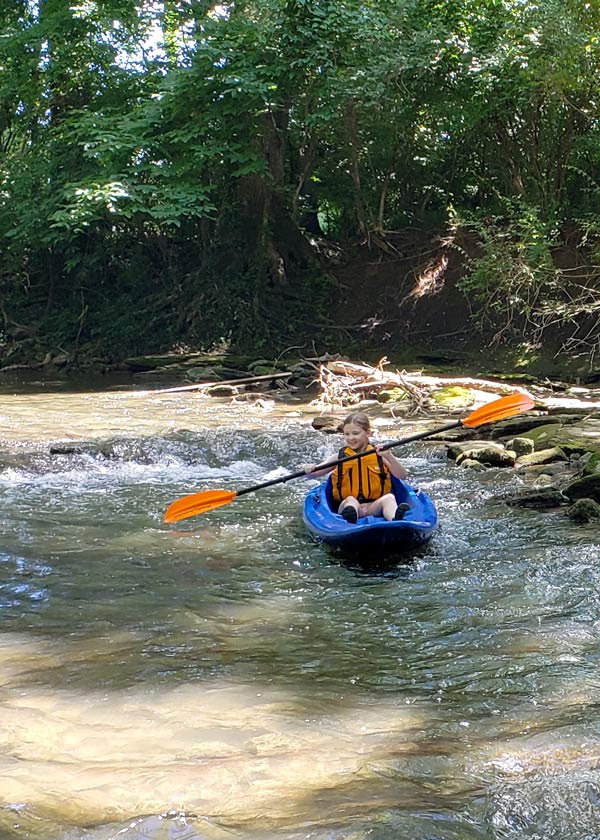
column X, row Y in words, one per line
column 366, row 478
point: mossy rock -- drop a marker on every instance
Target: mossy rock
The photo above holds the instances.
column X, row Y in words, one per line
column 592, row 466
column 584, row 488
column 260, row 363
column 543, row 497
column 541, row 456
column 584, row 510
column 545, row 436
column 572, row 449
column 201, row 374
column 522, row 425
column 263, row 370
column 453, row 396
column 521, row 446
column 471, row 463
column 491, row 456
column 462, row 447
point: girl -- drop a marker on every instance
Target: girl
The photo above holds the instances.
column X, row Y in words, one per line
column 363, row 487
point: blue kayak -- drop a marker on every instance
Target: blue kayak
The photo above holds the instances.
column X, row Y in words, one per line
column 372, row 536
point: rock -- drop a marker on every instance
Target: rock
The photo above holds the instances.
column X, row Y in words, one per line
column 516, row 426
column 471, row 463
column 521, row 446
column 584, row 488
column 200, row 374
column 572, row 450
column 260, row 363
column 328, row 423
column 563, row 468
column 543, row 437
column 521, row 425
column 543, row 480
column 592, row 464
column 584, row 510
column 462, row 447
column 544, row 497
column 491, row 456
column 222, row 391
column 544, row 456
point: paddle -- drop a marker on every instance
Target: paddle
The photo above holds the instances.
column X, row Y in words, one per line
column 207, row 500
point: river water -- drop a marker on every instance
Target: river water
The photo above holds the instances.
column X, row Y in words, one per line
column 227, row 678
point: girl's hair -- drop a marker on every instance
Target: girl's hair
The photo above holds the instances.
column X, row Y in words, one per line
column 360, row 419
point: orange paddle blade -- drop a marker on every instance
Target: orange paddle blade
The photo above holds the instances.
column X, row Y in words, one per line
column 499, row 410
column 198, row 503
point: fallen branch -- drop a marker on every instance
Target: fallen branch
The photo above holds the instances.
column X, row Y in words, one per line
column 199, row 386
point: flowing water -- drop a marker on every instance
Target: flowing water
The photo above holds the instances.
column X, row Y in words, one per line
column 227, row 678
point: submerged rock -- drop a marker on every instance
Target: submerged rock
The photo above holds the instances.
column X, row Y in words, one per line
column 543, row 497
column 471, row 463
column 584, row 510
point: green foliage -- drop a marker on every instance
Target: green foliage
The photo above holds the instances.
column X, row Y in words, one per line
column 514, row 266
column 209, row 146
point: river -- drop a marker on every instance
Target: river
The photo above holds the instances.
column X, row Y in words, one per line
column 228, row 678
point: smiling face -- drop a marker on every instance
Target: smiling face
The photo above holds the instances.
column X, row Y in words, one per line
column 355, row 436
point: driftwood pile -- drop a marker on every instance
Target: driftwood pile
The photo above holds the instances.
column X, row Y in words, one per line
column 346, row 383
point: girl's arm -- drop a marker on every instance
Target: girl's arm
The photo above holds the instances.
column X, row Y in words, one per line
column 313, row 472
column 393, row 464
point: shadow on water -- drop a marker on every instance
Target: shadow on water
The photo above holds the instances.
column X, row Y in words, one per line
column 387, row 565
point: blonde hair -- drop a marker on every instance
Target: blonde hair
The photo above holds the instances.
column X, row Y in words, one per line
column 360, row 419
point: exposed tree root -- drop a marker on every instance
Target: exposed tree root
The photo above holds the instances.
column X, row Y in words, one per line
column 347, row 383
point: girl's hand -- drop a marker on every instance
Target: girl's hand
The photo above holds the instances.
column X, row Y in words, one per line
column 391, row 462
column 309, row 468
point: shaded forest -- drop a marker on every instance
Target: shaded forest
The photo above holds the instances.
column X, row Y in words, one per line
column 185, row 174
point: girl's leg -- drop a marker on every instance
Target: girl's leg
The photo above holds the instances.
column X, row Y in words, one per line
column 385, row 506
column 350, row 505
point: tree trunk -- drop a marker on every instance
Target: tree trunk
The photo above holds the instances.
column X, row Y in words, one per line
column 359, row 204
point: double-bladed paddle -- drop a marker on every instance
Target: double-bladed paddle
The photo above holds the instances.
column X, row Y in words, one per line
column 207, row 500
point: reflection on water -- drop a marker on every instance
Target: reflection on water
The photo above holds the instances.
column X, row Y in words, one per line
column 226, row 678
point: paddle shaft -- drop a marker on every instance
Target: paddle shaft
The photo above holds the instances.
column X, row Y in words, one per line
column 332, row 464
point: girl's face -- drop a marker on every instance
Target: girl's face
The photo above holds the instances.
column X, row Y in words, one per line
column 355, row 436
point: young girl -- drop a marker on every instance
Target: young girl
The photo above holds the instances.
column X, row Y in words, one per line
column 363, row 487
